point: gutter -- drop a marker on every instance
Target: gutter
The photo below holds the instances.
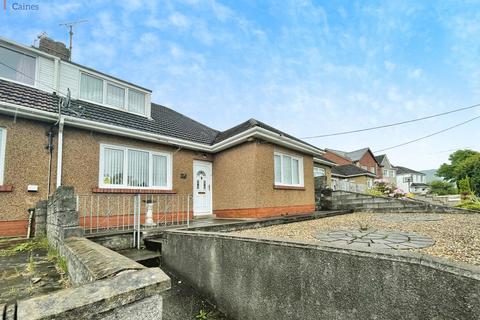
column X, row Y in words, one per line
column 27, row 112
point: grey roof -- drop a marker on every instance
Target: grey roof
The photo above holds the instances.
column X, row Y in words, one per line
column 404, row 170
column 165, row 121
column 348, row 170
column 352, row 155
column 252, row 123
column 380, row 158
column 419, row 185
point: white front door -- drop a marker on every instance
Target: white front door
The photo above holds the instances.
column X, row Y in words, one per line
column 202, row 188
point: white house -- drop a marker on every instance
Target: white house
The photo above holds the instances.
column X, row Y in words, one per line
column 411, row 181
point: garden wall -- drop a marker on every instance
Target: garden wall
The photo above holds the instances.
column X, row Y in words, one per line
column 368, row 203
column 265, row 279
column 107, row 284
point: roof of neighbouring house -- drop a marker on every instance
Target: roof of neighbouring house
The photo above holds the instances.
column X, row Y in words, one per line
column 404, row 170
column 164, row 121
column 418, row 185
column 355, row 155
column 380, row 158
column 349, row 170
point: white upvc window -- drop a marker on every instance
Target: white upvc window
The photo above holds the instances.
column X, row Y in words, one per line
column 3, row 147
column 136, row 101
column 115, row 96
column 102, row 91
column 21, row 67
column 318, row 172
column 91, row 88
column 124, row 167
column 288, row 170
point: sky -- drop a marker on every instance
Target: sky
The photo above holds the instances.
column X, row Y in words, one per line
column 305, row 67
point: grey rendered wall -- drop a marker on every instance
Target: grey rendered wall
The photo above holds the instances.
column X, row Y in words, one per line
column 262, row 279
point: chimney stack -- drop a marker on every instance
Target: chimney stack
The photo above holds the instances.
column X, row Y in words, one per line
column 55, row 48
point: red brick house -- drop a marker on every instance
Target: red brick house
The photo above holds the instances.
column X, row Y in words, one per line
column 362, row 158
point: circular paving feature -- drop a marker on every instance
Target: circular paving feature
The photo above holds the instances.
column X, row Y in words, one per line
column 373, row 238
column 408, row 218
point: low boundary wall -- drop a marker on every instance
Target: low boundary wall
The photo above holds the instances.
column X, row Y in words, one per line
column 368, row 203
column 249, row 278
column 108, row 285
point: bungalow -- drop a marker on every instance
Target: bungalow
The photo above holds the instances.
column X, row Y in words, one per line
column 362, row 158
column 350, row 177
column 62, row 123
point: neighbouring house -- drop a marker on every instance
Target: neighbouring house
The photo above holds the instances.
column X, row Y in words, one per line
column 389, row 173
column 350, row 177
column 62, row 123
column 411, row 181
column 322, row 172
column 362, row 158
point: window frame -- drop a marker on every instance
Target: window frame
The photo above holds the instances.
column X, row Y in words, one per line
column 319, row 169
column 125, row 185
column 301, row 172
column 35, row 77
column 106, row 81
column 3, row 151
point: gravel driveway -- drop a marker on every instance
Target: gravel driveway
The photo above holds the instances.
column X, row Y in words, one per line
column 457, row 236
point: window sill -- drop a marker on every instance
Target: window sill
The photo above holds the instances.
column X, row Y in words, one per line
column 288, row 188
column 126, row 190
column 6, row 188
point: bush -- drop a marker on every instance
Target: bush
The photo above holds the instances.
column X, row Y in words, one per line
column 470, row 201
column 384, row 188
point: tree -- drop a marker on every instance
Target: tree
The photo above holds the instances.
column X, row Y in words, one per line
column 447, row 171
column 464, row 165
column 442, row 188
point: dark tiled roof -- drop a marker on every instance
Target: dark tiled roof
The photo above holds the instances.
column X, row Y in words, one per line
column 350, row 170
column 252, row 123
column 380, row 158
column 419, row 185
column 164, row 121
column 352, row 155
column 404, row 170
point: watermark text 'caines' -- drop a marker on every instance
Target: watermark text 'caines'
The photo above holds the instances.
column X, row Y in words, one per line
column 20, row 6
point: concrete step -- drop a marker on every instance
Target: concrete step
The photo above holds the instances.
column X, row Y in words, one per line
column 146, row 257
column 154, row 244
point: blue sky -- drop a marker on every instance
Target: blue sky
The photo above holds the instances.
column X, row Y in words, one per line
column 306, row 67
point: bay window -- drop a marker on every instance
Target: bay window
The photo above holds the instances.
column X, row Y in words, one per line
column 123, row 167
column 288, row 170
column 21, row 67
column 3, row 146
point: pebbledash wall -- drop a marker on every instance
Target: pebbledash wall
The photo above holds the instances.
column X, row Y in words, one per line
column 250, row 278
column 243, row 176
column 243, row 180
column 26, row 163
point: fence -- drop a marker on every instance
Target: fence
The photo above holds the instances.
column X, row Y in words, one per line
column 343, row 185
column 112, row 212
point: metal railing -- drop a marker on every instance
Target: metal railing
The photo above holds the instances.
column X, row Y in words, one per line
column 136, row 212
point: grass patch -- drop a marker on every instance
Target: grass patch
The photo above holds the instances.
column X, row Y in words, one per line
column 26, row 246
column 60, row 265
